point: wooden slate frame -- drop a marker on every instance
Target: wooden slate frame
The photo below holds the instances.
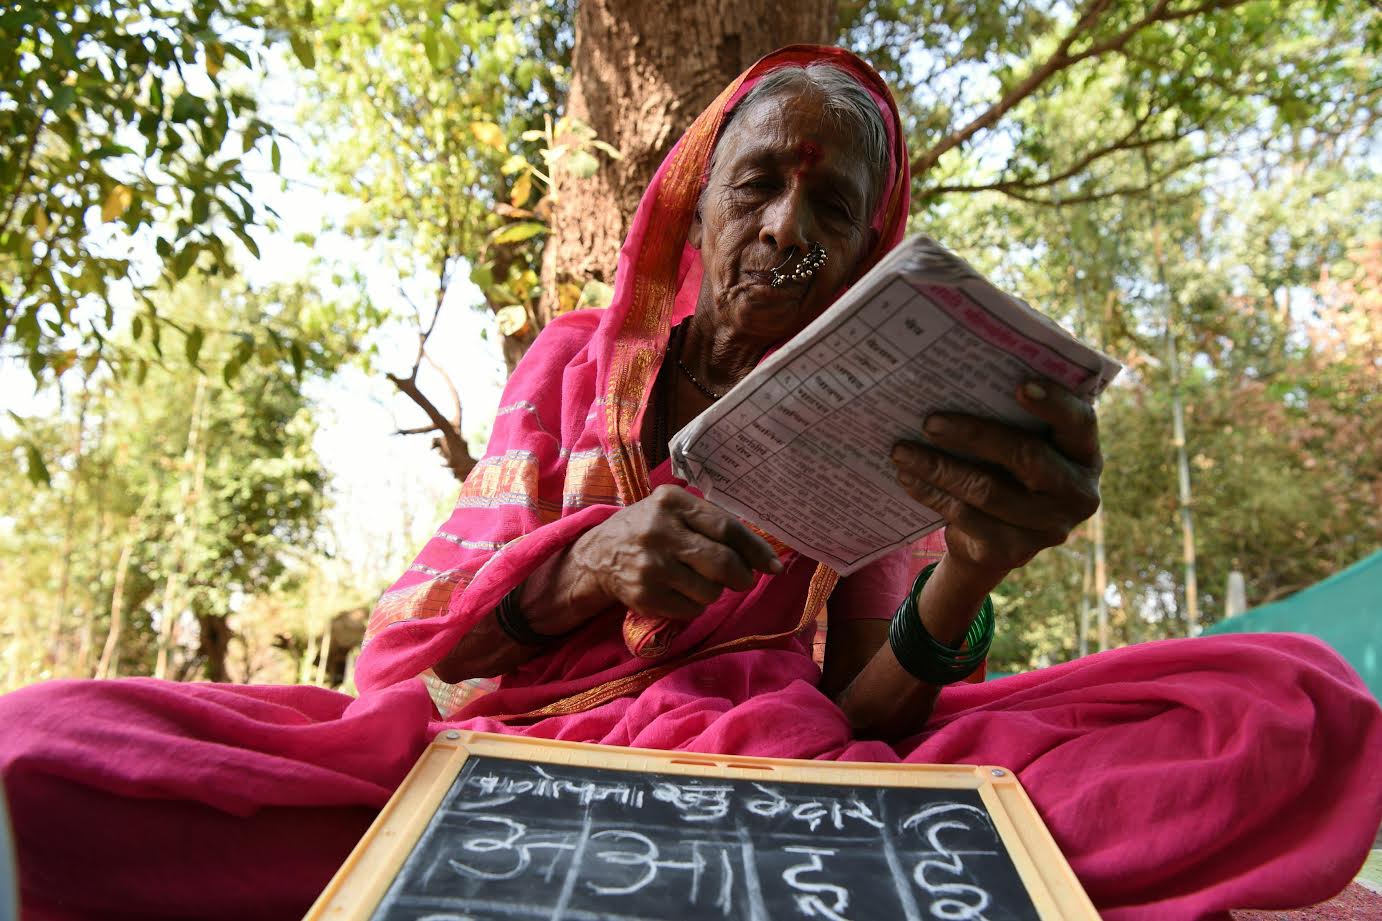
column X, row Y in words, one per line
column 356, row 890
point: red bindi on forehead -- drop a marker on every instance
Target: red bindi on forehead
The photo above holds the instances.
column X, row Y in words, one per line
column 808, row 155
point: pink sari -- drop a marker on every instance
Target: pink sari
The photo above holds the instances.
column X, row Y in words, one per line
column 566, row 454
column 1180, row 778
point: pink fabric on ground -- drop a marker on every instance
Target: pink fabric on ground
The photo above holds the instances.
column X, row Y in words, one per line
column 1180, row 778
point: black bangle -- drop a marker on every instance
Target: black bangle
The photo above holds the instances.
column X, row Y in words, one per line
column 926, row 658
column 515, row 626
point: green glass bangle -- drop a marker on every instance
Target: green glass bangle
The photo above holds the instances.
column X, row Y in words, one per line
column 926, row 658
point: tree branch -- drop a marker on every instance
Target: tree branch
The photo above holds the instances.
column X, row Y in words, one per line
column 1092, row 196
column 450, row 386
column 448, row 442
column 1126, row 143
column 22, row 177
column 1062, row 59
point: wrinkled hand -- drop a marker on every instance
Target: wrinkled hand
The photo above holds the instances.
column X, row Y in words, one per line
column 1022, row 493
column 671, row 554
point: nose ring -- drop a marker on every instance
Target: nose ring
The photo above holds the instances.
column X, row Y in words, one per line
column 810, row 263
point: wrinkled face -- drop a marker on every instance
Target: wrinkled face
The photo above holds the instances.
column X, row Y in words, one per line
column 784, row 178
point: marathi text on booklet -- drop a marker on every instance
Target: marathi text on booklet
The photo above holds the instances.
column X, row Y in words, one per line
column 801, row 446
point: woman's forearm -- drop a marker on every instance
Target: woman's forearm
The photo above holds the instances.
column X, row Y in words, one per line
column 556, row 598
column 884, row 700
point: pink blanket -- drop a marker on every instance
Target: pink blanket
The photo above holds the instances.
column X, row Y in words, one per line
column 1180, row 778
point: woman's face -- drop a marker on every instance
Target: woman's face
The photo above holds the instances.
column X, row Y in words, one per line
column 784, row 178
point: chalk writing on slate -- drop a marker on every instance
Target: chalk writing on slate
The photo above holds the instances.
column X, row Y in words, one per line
column 527, row 840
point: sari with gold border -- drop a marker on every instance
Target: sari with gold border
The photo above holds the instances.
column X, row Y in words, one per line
column 566, row 454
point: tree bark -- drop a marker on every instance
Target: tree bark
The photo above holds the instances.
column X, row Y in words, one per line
column 641, row 73
column 213, row 645
column 109, row 664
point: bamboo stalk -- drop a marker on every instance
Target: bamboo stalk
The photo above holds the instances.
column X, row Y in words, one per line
column 1185, row 498
column 1085, row 588
column 184, row 531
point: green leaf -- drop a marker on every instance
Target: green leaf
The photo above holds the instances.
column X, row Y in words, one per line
column 610, row 149
column 184, row 260
column 136, row 328
column 193, row 346
column 582, row 164
column 482, row 274
column 516, row 233
column 276, row 157
column 302, row 47
column 38, row 470
column 248, row 240
column 595, row 294
column 231, row 370
column 298, row 357
column 186, row 107
column 244, row 349
column 63, row 97
column 110, row 150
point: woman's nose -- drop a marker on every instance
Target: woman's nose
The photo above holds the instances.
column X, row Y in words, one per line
column 784, row 222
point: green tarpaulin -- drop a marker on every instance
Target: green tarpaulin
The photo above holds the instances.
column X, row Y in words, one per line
column 1344, row 610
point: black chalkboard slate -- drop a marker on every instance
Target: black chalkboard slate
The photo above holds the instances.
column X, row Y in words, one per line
column 521, row 840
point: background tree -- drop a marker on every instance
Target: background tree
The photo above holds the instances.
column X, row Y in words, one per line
column 183, row 494
column 124, row 130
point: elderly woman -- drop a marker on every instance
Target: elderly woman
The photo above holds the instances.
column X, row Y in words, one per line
column 1180, row 778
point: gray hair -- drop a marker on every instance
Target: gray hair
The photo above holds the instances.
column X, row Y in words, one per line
column 847, row 104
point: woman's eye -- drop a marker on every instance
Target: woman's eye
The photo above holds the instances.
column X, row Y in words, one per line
column 836, row 210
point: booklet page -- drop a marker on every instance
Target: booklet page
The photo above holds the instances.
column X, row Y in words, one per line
column 801, row 446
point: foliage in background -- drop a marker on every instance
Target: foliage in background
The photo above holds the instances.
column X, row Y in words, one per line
column 1268, row 277
column 179, row 495
column 121, row 161
column 435, row 121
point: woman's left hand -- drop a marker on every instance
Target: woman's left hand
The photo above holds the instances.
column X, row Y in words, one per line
column 1021, row 492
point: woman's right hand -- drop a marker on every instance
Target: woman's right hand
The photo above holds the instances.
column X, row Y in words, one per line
column 671, row 554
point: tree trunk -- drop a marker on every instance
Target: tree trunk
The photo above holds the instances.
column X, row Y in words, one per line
column 87, row 635
column 1086, row 592
column 184, row 536
column 1100, row 579
column 213, row 645
column 323, row 651
column 1187, row 516
column 109, row 666
column 57, row 625
column 641, row 73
